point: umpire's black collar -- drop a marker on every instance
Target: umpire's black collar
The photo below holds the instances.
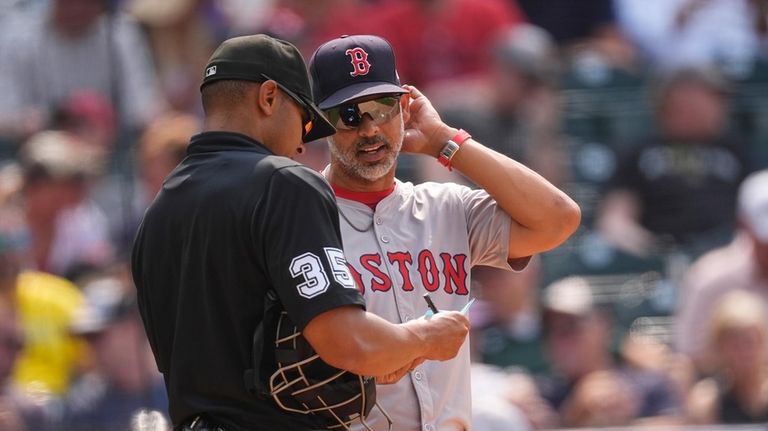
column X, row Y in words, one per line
column 207, row 142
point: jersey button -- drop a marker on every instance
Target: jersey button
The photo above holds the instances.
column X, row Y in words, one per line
column 417, row 375
column 379, row 220
column 384, row 239
column 428, row 427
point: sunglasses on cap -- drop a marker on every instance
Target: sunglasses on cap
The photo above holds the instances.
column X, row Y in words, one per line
column 349, row 115
column 310, row 118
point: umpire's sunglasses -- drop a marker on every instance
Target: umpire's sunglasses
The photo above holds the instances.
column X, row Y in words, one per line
column 310, row 117
column 349, row 116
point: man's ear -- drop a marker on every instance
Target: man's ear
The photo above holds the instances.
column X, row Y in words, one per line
column 405, row 107
column 267, row 97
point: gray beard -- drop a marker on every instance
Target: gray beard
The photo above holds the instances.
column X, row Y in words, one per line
column 357, row 169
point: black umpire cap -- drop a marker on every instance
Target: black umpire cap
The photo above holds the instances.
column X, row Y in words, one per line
column 260, row 57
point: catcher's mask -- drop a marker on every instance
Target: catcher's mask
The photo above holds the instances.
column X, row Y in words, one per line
column 303, row 382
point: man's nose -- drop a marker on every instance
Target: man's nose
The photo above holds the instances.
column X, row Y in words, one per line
column 367, row 127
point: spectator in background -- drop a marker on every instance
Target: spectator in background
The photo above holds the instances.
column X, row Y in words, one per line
column 506, row 329
column 507, row 400
column 741, row 265
column 76, row 45
column 181, row 35
column 309, row 23
column 517, row 109
column 45, row 305
column 244, row 16
column 582, row 26
column 67, row 230
column 124, row 379
column 442, row 40
column 738, row 391
column 89, row 116
column 507, row 350
column 18, row 411
column 15, row 16
column 162, row 146
column 671, row 34
column 588, row 388
column 676, row 189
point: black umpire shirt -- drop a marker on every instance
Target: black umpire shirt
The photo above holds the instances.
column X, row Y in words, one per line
column 231, row 221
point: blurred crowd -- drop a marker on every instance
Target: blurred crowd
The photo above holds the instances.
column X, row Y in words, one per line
column 652, row 114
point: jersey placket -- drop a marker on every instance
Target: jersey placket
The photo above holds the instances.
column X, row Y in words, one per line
column 385, row 223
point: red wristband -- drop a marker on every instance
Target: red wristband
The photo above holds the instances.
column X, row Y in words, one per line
column 461, row 136
column 450, row 148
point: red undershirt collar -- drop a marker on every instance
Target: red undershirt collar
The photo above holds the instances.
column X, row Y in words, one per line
column 368, row 198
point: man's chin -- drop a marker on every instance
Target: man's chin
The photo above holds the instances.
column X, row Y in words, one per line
column 373, row 171
column 370, row 176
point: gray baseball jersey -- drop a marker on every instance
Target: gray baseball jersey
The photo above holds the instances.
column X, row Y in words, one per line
column 423, row 238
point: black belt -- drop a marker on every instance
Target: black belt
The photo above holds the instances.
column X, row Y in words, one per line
column 199, row 423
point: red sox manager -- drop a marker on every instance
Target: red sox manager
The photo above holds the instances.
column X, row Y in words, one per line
column 403, row 240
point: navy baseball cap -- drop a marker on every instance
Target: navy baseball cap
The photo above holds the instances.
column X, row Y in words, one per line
column 260, row 57
column 353, row 66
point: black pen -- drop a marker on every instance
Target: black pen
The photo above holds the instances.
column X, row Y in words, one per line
column 430, row 303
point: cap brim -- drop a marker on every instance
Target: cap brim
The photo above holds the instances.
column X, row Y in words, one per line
column 360, row 90
column 321, row 128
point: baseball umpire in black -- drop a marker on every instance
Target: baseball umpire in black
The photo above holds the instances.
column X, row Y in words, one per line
column 238, row 218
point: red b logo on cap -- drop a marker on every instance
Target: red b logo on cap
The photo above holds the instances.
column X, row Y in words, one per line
column 359, row 61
